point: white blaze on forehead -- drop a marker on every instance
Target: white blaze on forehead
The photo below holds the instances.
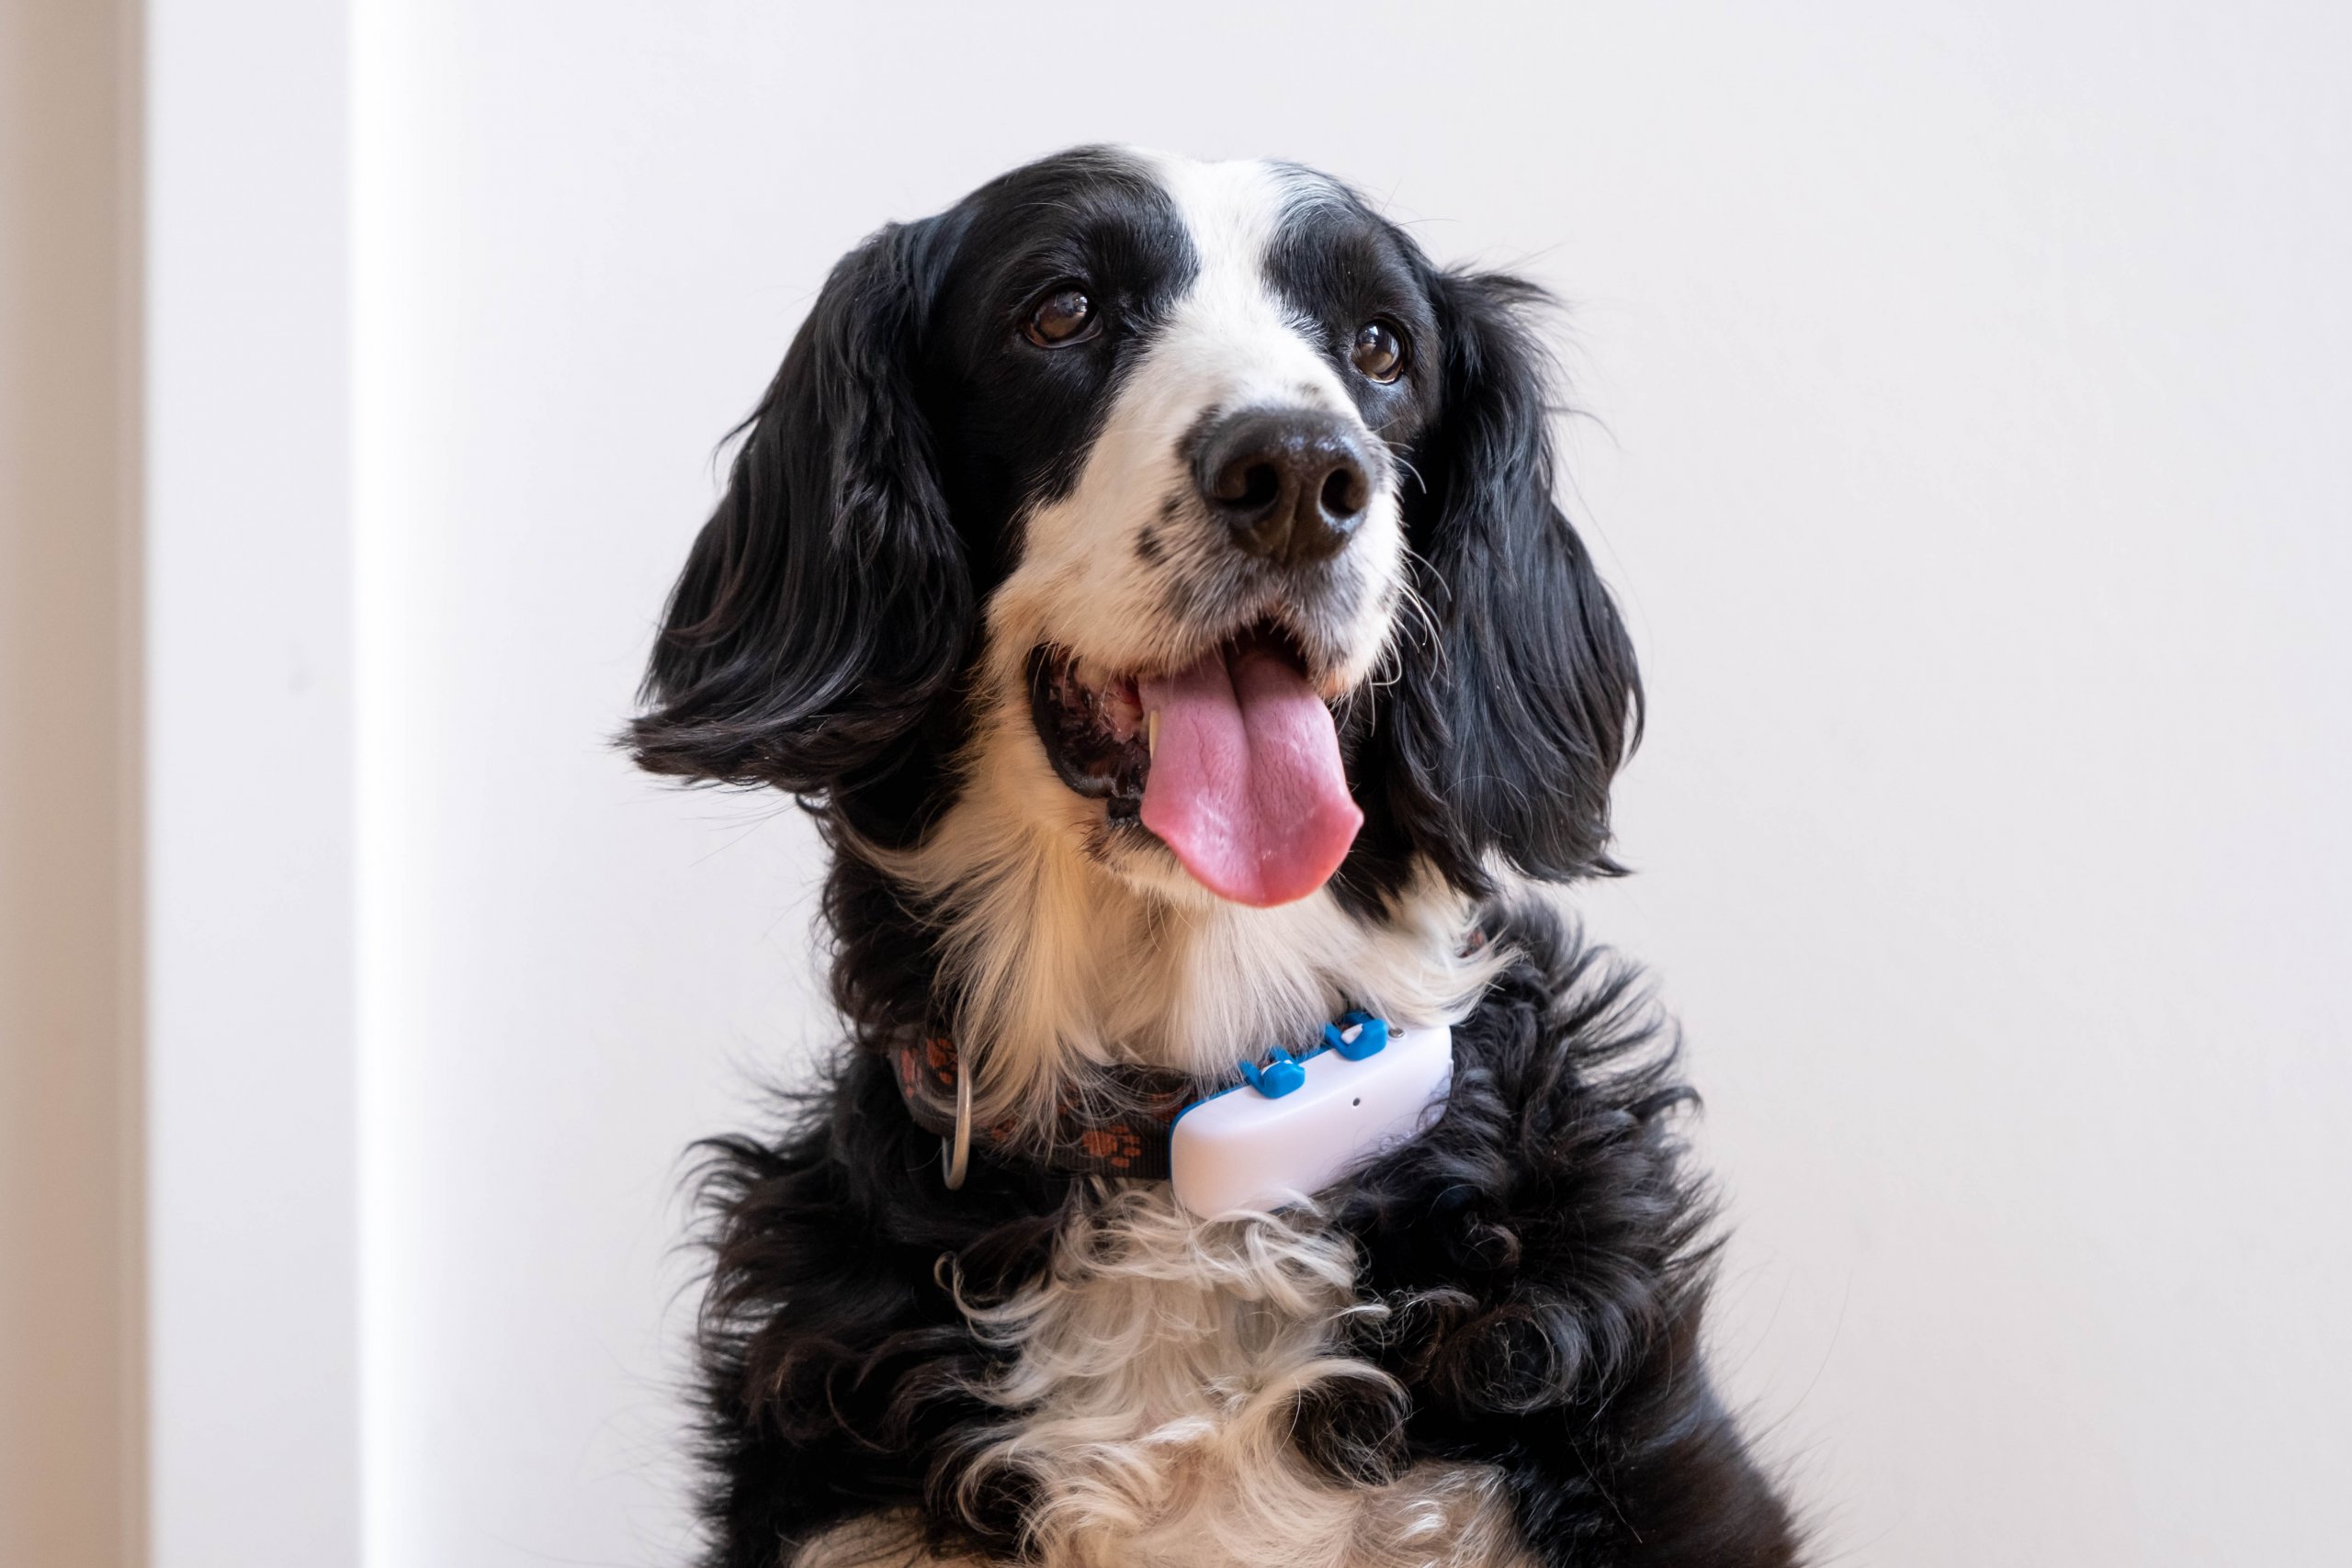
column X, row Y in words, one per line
column 1232, row 341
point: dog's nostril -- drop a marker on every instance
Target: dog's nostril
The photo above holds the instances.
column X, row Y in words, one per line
column 1343, row 493
column 1252, row 486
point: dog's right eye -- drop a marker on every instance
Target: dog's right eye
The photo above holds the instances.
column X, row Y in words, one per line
column 1379, row 351
column 1064, row 316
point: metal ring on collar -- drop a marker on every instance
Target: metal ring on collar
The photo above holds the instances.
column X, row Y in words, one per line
column 956, row 1153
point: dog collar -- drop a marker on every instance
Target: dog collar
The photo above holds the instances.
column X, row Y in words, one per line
column 1292, row 1125
column 1114, row 1120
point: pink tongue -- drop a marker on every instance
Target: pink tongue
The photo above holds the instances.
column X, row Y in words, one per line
column 1246, row 785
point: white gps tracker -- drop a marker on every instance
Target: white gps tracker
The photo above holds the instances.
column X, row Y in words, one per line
column 1301, row 1122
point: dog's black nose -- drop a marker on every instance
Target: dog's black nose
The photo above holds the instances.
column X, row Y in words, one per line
column 1292, row 485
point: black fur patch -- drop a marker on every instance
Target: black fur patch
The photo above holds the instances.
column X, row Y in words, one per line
column 1545, row 1257
column 834, row 1357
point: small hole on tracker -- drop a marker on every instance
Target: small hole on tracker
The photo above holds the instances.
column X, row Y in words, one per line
column 1357, row 1100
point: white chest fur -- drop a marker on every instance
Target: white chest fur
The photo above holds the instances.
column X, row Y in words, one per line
column 1154, row 1374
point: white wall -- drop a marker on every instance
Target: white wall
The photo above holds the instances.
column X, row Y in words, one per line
column 251, row 1181
column 1966, row 393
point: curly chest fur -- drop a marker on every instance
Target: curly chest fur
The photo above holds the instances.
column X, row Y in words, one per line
column 1155, row 1382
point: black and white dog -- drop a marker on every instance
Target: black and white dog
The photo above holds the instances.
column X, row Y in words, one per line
column 1148, row 574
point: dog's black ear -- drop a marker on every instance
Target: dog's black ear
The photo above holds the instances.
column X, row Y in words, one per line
column 828, row 602
column 1505, row 731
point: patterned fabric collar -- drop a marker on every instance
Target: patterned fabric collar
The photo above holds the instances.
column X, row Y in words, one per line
column 1113, row 1122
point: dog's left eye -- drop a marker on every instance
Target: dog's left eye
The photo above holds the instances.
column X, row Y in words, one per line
column 1379, row 351
column 1064, row 316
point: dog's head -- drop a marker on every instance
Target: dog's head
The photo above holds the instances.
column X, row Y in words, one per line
column 1191, row 505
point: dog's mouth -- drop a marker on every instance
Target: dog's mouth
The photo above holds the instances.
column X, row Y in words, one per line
column 1232, row 760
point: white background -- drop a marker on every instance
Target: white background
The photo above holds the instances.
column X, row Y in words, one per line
column 1962, row 401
